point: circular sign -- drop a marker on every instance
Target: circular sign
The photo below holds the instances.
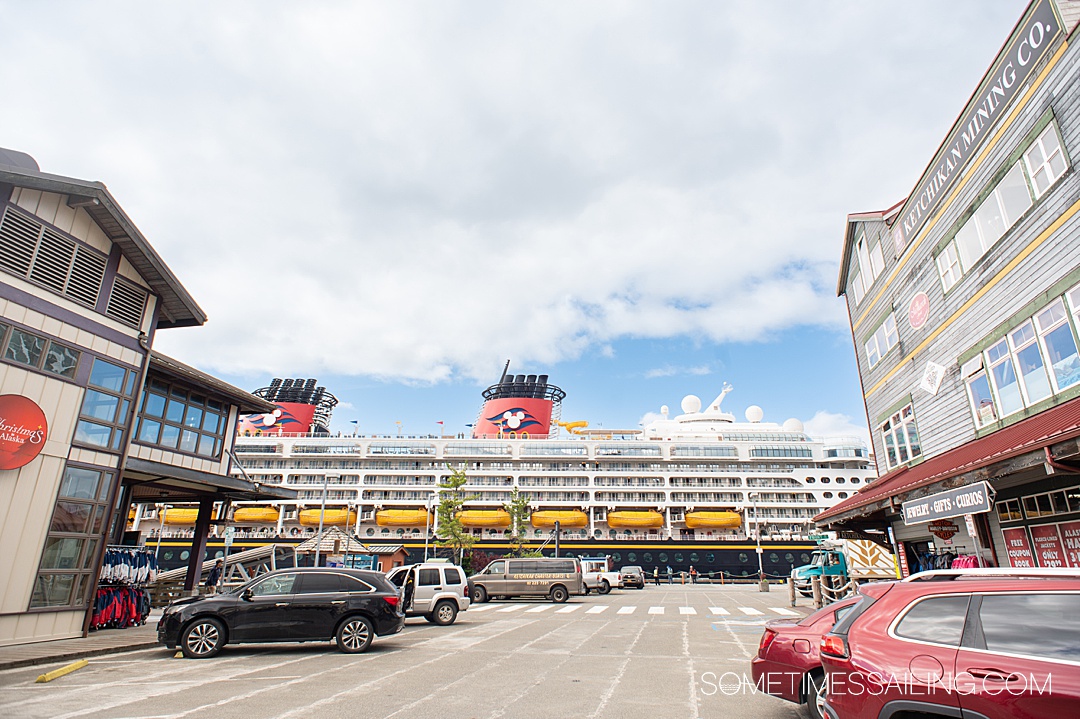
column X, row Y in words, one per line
column 23, row 430
column 918, row 310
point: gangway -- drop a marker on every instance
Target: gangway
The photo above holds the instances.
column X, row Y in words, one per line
column 242, row 566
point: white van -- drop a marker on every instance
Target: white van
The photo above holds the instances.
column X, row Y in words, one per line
column 436, row 591
column 548, row 577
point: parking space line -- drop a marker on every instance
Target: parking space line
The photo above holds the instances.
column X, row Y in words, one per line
column 750, row 611
column 515, row 607
column 785, row 612
column 626, row 610
column 597, row 609
column 567, row 610
column 719, row 611
column 687, row 610
column 538, row 608
column 656, row 610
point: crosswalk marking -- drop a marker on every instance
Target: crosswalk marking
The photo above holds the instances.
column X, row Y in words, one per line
column 511, row 608
column 750, row 611
column 656, row 610
column 626, row 610
column 482, row 607
column 687, row 610
column 719, row 611
column 567, row 610
column 597, row 609
column 785, row 612
column 539, row 608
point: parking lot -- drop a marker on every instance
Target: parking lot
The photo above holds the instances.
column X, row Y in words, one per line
column 668, row 651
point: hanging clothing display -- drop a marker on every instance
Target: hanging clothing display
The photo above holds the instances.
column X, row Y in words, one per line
column 128, row 565
column 120, row 607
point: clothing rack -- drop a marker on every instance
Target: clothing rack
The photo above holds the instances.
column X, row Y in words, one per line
column 125, row 565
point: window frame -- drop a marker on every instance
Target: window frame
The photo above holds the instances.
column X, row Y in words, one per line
column 184, row 412
column 883, row 330
column 901, row 419
column 118, row 425
column 1040, row 144
column 7, row 333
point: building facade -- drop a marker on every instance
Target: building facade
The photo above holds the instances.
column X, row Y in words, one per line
column 964, row 301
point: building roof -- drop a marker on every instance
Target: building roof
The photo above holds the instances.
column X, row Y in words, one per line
column 247, row 402
column 1054, row 425
column 849, row 238
column 158, row 482
column 177, row 308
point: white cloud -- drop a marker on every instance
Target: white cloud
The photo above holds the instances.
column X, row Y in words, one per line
column 673, row 371
column 830, row 424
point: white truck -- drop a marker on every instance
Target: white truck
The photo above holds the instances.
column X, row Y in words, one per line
column 857, row 559
column 597, row 574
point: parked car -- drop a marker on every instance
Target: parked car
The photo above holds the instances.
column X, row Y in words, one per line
column 787, row 664
column 349, row 606
column 597, row 576
column 987, row 643
column 436, row 591
column 632, row 577
column 548, row 577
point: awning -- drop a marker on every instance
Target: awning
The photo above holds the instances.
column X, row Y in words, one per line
column 1014, row 449
column 160, row 482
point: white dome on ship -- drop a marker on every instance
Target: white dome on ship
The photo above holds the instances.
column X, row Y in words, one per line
column 793, row 425
column 691, row 404
column 754, row 413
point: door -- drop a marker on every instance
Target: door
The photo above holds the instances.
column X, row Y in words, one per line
column 493, row 578
column 428, row 582
column 318, row 603
column 261, row 611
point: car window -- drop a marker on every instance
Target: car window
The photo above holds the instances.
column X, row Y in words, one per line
column 428, row 577
column 939, row 620
column 397, row 578
column 277, row 584
column 1039, row 625
column 453, row 576
column 319, row 582
column 496, row 568
column 352, row 584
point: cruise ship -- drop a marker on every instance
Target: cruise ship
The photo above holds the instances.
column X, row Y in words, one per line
column 696, row 488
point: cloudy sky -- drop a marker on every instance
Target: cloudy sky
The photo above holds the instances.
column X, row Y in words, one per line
column 641, row 199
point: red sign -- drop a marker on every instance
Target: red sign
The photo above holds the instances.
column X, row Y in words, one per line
column 901, row 556
column 918, row 310
column 943, row 529
column 1048, row 547
column 514, row 417
column 1016, row 543
column 1070, row 537
column 23, row 431
column 288, row 418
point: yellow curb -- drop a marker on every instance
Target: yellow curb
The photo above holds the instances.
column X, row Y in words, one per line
column 178, row 655
column 56, row 673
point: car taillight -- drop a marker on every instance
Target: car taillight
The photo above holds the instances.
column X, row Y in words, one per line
column 834, row 645
column 766, row 639
column 392, row 601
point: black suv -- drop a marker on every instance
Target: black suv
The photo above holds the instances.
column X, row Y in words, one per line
column 350, row 606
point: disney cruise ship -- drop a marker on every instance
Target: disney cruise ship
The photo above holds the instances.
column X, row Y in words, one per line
column 695, row 488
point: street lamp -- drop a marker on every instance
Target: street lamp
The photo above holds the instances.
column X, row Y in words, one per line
column 322, row 515
column 763, row 584
column 427, row 524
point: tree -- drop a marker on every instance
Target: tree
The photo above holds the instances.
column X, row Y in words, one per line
column 451, row 532
column 518, row 509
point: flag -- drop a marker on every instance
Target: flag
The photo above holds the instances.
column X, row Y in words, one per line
column 439, row 422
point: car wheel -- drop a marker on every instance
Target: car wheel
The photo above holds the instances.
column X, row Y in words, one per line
column 203, row 638
column 815, row 699
column 355, row 635
column 559, row 594
column 479, row 595
column 605, row 587
column 445, row 613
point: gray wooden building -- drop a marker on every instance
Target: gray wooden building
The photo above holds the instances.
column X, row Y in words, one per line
column 964, row 302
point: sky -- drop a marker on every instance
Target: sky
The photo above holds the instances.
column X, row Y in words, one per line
column 642, row 200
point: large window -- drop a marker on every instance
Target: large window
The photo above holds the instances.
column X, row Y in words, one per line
column 71, row 547
column 30, row 350
column 1042, row 164
column 883, row 340
column 106, row 406
column 176, row 419
column 1033, row 361
column 901, row 438
column 869, row 262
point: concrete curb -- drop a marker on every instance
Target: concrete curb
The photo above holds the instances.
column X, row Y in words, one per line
column 73, row 655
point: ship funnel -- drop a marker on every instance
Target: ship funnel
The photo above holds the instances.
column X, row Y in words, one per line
column 519, row 407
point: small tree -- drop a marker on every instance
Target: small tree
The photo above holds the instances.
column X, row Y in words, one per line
column 518, row 509
column 451, row 532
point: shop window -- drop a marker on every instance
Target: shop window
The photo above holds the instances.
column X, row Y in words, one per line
column 105, row 407
column 30, row 350
column 176, row 419
column 1009, row 511
column 901, row 438
column 883, row 340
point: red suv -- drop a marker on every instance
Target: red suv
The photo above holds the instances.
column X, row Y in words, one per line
column 975, row 643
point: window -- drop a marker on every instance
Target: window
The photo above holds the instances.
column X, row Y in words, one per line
column 172, row 417
column 25, row 348
column 883, row 340
column 869, row 262
column 939, row 620
column 1045, row 160
column 1009, row 510
column 75, row 532
column 275, row 585
column 1034, row 625
column 901, row 438
column 319, row 583
column 1059, row 345
column 1029, row 362
column 428, row 578
column 948, row 264
column 105, row 407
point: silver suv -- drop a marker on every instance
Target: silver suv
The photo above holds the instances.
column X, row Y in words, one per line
column 434, row 590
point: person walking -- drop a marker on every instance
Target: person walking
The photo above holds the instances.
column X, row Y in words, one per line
column 213, row 579
column 693, row 575
column 669, row 581
column 656, row 576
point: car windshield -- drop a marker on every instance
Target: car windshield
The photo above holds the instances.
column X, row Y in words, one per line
column 631, row 570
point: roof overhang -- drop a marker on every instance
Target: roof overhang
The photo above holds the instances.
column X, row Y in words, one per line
column 157, row 482
column 247, row 402
column 177, row 308
column 849, row 238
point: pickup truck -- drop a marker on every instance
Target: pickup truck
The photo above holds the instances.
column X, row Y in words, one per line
column 597, row 575
column 846, row 559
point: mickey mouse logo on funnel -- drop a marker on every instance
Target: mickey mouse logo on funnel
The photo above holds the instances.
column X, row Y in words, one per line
column 23, row 430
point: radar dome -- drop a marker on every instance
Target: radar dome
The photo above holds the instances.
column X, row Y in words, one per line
column 691, row 404
column 793, row 425
column 754, row 413
column 664, row 410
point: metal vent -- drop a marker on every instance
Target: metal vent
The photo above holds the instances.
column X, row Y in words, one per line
column 18, row 238
column 52, row 262
column 126, row 302
column 87, row 274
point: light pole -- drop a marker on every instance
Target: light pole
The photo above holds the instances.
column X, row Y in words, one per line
column 763, row 584
column 427, row 524
column 161, row 528
column 322, row 515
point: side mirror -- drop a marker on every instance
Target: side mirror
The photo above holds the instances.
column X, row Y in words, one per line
column 247, row 595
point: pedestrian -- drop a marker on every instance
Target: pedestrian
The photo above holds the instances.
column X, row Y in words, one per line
column 214, row 577
column 656, row 576
column 669, row 574
column 693, row 575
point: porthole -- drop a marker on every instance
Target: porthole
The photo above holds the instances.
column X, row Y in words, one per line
column 789, row 558
column 744, row 559
column 710, row 558
column 827, row 495
column 694, row 558
column 805, row 558
column 647, row 557
column 773, row 557
column 631, row 557
column 219, row 554
column 840, row 480
column 370, row 532
column 616, row 557
column 842, row 495
column 855, row 480
column 678, row 557
column 825, row 480
column 184, row 555
column 598, row 533
column 810, row 480
column 663, row 556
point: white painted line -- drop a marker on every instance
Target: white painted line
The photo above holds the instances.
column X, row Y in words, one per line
column 626, row 610
column 687, row 610
column 540, row 608
column 656, row 610
column 567, row 610
column 597, row 609
column 514, row 608
column 482, row 607
column 785, row 612
column 750, row 611
column 719, row 611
